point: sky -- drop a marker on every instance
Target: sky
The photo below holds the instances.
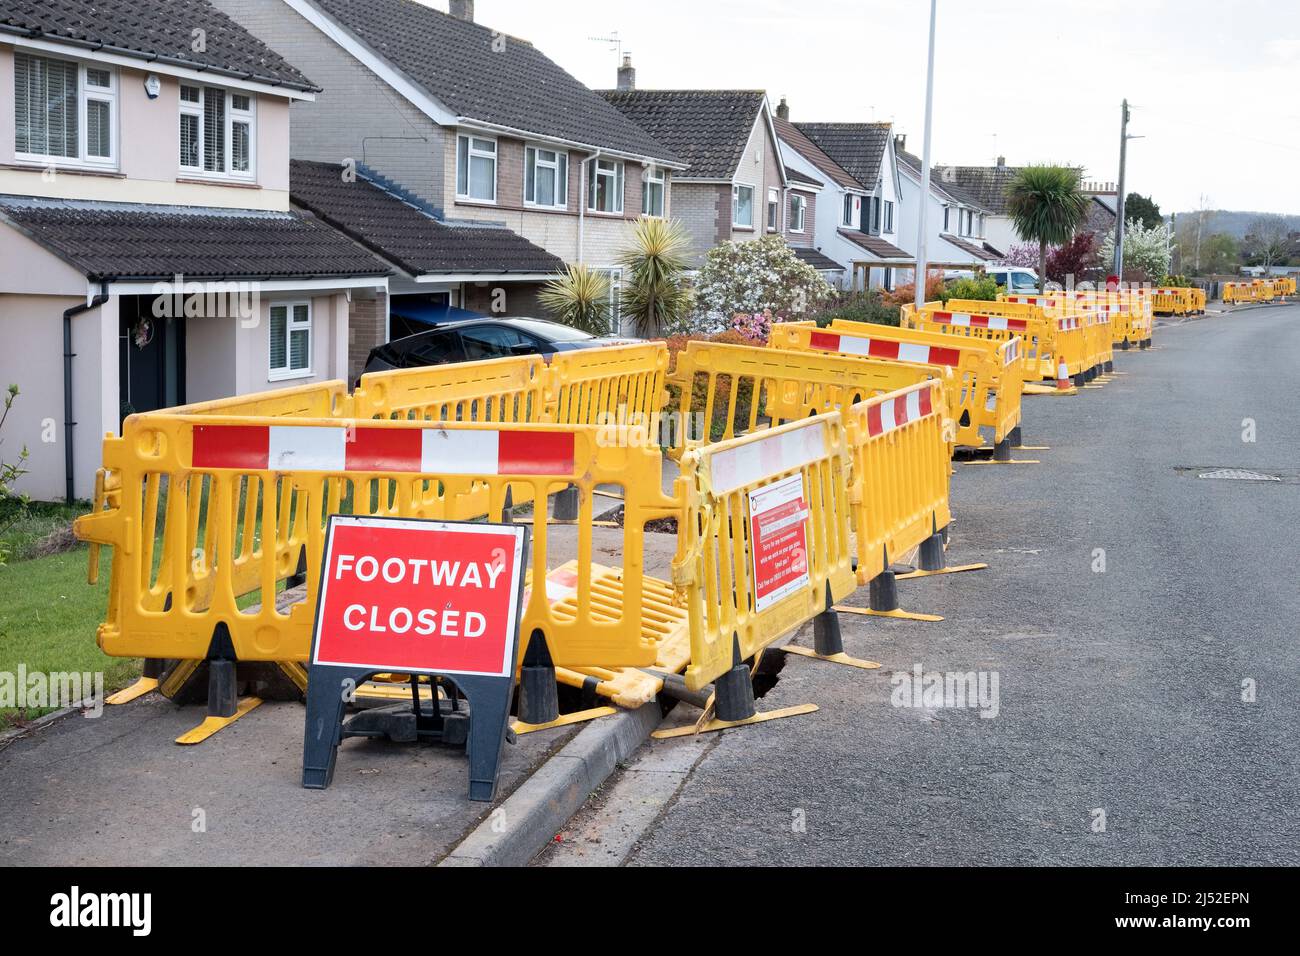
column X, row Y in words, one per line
column 1212, row 86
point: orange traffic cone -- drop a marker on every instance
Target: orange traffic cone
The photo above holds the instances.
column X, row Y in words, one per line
column 1062, row 376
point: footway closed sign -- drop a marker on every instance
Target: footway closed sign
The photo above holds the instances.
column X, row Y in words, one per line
column 420, row 596
column 778, row 518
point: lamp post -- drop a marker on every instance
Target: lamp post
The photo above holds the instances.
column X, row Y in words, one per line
column 924, row 203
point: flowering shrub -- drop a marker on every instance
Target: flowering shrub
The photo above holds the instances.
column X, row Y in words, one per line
column 1024, row 255
column 935, row 290
column 748, row 278
column 755, row 328
column 1146, row 251
column 866, row 306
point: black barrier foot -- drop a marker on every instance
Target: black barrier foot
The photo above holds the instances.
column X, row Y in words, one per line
column 931, row 557
column 1002, row 450
column 883, row 592
column 827, row 637
column 1078, row 380
column 299, row 576
column 539, row 701
column 1110, row 367
column 734, row 690
column 566, row 504
column 1016, row 438
column 1123, row 346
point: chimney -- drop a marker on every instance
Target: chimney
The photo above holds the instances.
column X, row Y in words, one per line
column 1002, row 160
column 783, row 110
column 900, row 142
column 462, row 10
column 626, row 75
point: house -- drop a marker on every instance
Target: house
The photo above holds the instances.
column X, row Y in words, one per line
column 838, row 204
column 872, row 228
column 956, row 221
column 734, row 187
column 148, row 252
column 471, row 126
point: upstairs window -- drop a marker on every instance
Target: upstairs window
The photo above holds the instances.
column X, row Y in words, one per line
column 546, row 177
column 889, row 216
column 773, row 209
column 64, row 110
column 476, row 168
column 798, row 208
column 652, row 196
column 605, row 186
column 216, row 132
column 850, row 204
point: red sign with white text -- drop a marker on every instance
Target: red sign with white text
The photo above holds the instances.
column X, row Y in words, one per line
column 420, row 596
column 779, row 527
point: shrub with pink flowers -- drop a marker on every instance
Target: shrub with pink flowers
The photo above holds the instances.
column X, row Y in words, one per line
column 753, row 326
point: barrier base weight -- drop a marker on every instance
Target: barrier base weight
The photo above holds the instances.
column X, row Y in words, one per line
column 564, row 720
column 717, row 724
column 211, row 725
column 840, row 658
column 144, row 685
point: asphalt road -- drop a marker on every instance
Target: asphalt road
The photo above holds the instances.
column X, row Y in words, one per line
column 1119, row 691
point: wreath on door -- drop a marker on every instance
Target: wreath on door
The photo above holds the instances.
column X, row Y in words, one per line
column 142, row 334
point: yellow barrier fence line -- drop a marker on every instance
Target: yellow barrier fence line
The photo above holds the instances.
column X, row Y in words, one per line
column 900, row 474
column 979, row 366
column 995, row 322
column 730, row 390
column 210, row 467
column 715, row 570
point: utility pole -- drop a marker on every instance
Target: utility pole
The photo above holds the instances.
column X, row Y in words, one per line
column 924, row 203
column 1119, row 199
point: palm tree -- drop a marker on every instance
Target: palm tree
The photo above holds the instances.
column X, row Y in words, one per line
column 654, row 287
column 1046, row 207
column 579, row 297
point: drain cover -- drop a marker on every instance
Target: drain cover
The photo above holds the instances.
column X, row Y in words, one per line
column 1237, row 474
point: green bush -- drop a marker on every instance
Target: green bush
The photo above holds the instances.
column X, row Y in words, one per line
column 859, row 307
column 979, row 287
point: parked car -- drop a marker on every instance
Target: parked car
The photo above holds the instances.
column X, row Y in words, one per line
column 1023, row 281
column 472, row 340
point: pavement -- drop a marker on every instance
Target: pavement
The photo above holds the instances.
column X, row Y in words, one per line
column 1146, row 713
column 116, row 790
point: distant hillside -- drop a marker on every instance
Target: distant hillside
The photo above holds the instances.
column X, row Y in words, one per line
column 1233, row 222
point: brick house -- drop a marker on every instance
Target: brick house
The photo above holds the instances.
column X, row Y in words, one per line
column 734, row 187
column 149, row 255
column 470, row 125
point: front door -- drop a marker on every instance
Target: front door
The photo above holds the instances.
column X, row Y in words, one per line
column 151, row 358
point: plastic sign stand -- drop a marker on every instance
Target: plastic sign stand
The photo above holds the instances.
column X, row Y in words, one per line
column 412, row 596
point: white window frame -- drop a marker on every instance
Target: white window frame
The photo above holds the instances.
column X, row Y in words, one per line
column 559, row 165
column 735, row 204
column 230, row 118
column 798, row 212
column 596, row 168
column 615, row 276
column 287, row 371
column 470, row 155
column 85, row 95
column 656, row 176
column 846, row 214
column 773, row 210
column 889, row 216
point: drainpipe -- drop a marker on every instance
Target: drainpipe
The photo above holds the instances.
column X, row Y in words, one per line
column 583, row 186
column 68, row 423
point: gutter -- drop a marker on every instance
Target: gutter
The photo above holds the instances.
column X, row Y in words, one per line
column 68, row 354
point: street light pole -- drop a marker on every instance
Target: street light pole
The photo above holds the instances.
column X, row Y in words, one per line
column 1119, row 201
column 924, row 203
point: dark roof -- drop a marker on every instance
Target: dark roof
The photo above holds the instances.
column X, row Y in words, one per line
column 818, row 260
column 708, row 129
column 480, row 74
column 880, row 248
column 1100, row 218
column 987, row 185
column 858, row 147
column 150, row 30
column 804, row 180
column 940, row 182
column 792, row 136
column 988, row 254
column 123, row 241
column 409, row 236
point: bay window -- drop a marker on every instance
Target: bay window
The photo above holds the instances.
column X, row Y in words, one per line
column 64, row 110
column 546, row 177
column 652, row 195
column 216, row 131
column 290, row 345
column 742, row 206
column 605, row 186
column 798, row 208
column 476, row 168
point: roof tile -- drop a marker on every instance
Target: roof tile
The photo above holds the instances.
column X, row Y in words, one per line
column 706, row 128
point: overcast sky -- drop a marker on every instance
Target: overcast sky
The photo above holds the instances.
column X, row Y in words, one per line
column 1212, row 85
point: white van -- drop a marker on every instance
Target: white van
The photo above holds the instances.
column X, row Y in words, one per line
column 1023, row 281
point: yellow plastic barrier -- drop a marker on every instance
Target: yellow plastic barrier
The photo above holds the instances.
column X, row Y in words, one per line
column 995, row 322
column 498, row 390
column 730, row 390
column 900, row 475
column 988, row 374
column 214, row 512
column 733, row 612
column 622, row 384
